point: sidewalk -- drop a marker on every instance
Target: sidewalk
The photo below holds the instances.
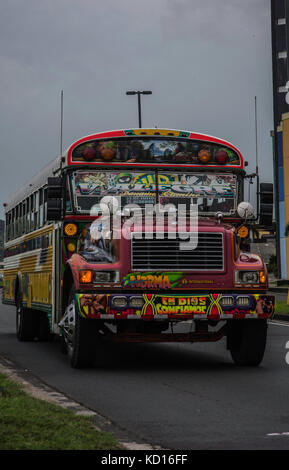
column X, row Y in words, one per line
column 281, row 295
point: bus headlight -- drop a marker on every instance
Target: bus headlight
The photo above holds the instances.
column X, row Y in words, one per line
column 250, row 277
column 99, row 276
column 243, row 301
column 105, row 276
column 119, row 301
column 227, row 301
column 136, row 302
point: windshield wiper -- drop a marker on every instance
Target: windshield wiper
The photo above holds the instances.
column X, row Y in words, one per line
column 157, row 185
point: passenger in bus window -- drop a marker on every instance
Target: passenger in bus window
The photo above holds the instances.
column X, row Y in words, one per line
column 92, row 246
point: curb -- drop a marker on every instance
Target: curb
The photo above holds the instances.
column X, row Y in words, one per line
column 280, row 316
column 33, row 386
column 39, row 390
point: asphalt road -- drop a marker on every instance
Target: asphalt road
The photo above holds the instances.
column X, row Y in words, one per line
column 176, row 396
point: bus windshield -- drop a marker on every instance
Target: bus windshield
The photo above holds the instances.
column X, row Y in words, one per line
column 212, row 192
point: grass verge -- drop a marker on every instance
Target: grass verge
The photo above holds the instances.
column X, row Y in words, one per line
column 28, row 423
column 281, row 307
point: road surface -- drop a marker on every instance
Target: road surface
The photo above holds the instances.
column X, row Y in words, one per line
column 177, row 396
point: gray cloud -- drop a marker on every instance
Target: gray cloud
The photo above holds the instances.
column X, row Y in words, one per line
column 205, row 60
column 222, row 21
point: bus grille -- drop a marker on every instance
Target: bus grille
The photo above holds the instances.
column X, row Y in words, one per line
column 165, row 254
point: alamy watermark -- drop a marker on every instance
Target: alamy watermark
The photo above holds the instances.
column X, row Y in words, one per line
column 151, row 221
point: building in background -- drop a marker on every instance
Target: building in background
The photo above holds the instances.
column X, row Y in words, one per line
column 1, row 251
column 280, row 41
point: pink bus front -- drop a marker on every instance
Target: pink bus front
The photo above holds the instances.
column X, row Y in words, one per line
column 153, row 235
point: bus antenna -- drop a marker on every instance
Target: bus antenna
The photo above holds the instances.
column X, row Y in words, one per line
column 256, row 135
column 257, row 163
column 61, row 123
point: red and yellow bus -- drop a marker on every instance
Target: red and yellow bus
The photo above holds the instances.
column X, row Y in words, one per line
column 69, row 276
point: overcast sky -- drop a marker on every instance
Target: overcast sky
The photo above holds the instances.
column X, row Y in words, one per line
column 204, row 61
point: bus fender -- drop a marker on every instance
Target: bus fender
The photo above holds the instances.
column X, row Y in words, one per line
column 68, row 281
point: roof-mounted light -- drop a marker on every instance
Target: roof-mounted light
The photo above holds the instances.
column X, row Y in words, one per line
column 204, row 156
column 89, row 153
column 221, row 157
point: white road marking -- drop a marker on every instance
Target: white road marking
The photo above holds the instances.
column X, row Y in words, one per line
column 273, row 322
column 278, row 434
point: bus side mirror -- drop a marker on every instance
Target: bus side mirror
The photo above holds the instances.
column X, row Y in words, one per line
column 266, row 204
column 54, row 198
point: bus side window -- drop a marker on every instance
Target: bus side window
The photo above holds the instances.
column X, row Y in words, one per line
column 45, row 241
column 19, row 223
column 45, row 205
column 21, row 219
column 40, row 215
column 27, row 215
column 31, row 213
column 36, row 210
column 8, row 226
column 16, row 222
column 13, row 223
column 24, row 217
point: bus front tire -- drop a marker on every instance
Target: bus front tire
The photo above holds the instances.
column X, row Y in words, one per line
column 81, row 343
column 83, row 350
column 247, row 341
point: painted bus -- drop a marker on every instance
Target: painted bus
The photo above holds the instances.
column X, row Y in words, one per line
column 71, row 273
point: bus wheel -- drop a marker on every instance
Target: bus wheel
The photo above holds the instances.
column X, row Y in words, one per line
column 247, row 341
column 26, row 322
column 79, row 335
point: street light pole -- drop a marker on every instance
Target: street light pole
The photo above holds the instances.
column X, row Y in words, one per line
column 139, row 109
column 138, row 93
